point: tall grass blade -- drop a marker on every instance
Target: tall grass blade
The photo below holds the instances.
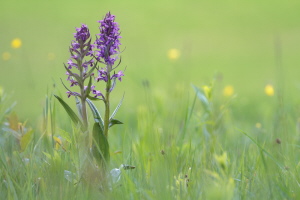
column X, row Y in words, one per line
column 202, row 97
column 262, row 149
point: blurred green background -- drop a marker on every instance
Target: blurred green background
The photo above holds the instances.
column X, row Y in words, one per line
column 235, row 39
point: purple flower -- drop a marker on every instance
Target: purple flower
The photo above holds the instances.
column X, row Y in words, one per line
column 75, row 45
column 82, row 34
column 108, row 41
column 81, row 52
column 97, row 93
column 71, row 64
column 118, row 76
column 84, row 58
column 102, row 75
column 72, row 94
column 88, row 63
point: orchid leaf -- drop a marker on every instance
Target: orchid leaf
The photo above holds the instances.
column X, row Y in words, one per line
column 117, row 108
column 114, row 121
column 93, row 98
column 100, row 147
column 96, row 114
column 70, row 112
column 88, row 89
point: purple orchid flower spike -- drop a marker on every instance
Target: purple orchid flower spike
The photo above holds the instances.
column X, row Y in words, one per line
column 83, row 71
column 108, row 42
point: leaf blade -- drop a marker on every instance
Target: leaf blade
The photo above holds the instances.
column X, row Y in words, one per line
column 113, row 122
column 25, row 140
column 201, row 96
column 117, row 108
column 100, row 147
column 96, row 113
column 70, row 112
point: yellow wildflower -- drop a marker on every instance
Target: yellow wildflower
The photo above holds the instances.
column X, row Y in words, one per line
column 207, row 90
column 16, row 43
column 269, row 90
column 58, row 142
column 222, row 160
column 228, row 91
column 173, row 54
column 6, row 56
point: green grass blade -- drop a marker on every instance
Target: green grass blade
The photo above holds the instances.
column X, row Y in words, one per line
column 26, row 139
column 262, row 149
column 201, row 96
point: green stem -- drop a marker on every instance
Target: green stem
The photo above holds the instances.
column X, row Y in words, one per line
column 84, row 114
column 83, row 96
column 107, row 106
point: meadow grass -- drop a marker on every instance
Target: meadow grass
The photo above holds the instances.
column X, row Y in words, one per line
column 193, row 146
column 186, row 141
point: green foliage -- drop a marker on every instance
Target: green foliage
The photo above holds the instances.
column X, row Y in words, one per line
column 116, row 109
column 100, row 146
column 174, row 159
column 113, row 122
column 70, row 112
column 96, row 113
column 26, row 139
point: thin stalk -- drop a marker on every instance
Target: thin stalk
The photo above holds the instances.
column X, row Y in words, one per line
column 84, row 113
column 107, row 105
column 83, row 96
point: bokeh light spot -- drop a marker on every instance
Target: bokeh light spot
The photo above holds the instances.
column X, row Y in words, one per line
column 269, row 90
column 6, row 56
column 173, row 54
column 258, row 125
column 16, row 43
column 228, row 91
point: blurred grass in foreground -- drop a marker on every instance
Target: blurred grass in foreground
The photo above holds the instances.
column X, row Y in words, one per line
column 195, row 151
